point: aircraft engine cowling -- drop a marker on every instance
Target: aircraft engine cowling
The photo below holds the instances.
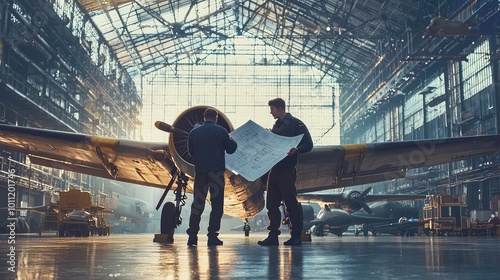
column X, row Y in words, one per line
column 178, row 141
column 352, row 201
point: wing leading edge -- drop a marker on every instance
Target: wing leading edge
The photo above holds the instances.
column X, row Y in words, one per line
column 123, row 160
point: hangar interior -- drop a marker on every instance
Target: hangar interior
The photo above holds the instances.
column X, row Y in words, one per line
column 354, row 71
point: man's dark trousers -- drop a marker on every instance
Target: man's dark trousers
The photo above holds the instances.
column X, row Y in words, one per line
column 281, row 187
column 212, row 182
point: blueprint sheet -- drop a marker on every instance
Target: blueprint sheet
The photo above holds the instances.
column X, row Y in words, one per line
column 258, row 150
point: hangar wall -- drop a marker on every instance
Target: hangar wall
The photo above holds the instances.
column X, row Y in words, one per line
column 435, row 87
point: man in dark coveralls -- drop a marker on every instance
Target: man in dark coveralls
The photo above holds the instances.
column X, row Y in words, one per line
column 207, row 144
column 282, row 177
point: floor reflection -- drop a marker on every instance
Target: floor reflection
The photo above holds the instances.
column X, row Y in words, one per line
column 349, row 257
column 284, row 262
column 169, row 261
column 59, row 256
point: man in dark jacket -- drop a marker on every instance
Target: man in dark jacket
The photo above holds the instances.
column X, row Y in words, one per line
column 282, row 177
column 207, row 144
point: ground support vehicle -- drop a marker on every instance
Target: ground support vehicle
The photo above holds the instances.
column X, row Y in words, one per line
column 76, row 215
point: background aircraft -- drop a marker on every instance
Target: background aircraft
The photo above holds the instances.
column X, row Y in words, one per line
column 130, row 214
column 354, row 200
column 337, row 221
column 163, row 165
column 403, row 227
column 339, row 212
column 403, row 219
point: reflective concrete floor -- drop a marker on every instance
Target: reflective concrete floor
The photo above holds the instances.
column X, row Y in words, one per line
column 121, row 256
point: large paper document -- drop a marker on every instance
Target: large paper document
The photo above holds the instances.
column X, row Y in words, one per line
column 258, row 150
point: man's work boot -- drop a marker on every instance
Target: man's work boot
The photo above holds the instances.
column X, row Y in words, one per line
column 271, row 240
column 214, row 241
column 295, row 240
column 192, row 240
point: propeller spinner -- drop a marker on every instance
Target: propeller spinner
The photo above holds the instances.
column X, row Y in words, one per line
column 357, row 198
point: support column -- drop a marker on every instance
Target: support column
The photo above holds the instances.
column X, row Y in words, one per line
column 495, row 61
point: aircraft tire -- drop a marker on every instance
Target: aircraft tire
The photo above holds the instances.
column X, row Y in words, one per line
column 167, row 220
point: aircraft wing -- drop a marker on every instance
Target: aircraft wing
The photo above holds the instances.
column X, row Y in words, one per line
column 340, row 198
column 330, row 167
column 399, row 226
column 325, row 167
column 368, row 219
column 123, row 160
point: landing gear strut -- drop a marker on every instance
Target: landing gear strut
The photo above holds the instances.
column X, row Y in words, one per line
column 171, row 213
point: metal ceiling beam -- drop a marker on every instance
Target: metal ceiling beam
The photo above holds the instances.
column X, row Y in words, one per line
column 298, row 26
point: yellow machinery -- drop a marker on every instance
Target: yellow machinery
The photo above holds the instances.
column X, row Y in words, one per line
column 76, row 215
column 445, row 214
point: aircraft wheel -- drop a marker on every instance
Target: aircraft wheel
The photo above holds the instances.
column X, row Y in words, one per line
column 167, row 220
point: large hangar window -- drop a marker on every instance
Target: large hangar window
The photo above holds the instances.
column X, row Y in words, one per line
column 240, row 79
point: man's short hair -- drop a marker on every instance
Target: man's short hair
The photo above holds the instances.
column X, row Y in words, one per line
column 210, row 113
column 278, row 103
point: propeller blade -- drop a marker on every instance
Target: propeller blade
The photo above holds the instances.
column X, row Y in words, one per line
column 366, row 207
column 363, row 203
column 168, row 128
column 365, row 192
